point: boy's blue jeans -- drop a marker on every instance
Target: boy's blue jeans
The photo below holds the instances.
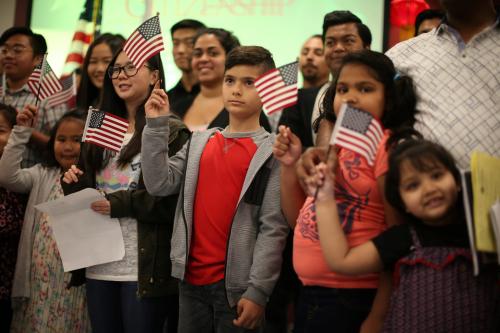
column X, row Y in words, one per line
column 206, row 309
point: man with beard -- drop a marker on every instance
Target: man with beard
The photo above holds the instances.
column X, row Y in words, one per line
column 312, row 64
column 343, row 32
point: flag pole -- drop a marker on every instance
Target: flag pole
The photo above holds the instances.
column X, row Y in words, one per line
column 42, row 70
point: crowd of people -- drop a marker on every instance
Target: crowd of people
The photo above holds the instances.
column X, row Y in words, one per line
column 233, row 221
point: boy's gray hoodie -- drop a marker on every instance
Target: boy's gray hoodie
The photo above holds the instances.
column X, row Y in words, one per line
column 258, row 231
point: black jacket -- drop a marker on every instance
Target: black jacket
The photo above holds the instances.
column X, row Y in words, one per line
column 155, row 219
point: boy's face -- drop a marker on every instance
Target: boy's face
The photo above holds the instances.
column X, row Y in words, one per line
column 18, row 59
column 238, row 90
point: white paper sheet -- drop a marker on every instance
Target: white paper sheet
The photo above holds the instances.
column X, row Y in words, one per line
column 84, row 238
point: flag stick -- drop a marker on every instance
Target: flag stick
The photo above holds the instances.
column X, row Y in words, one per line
column 326, row 160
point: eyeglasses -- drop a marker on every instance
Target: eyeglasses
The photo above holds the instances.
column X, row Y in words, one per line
column 16, row 49
column 129, row 70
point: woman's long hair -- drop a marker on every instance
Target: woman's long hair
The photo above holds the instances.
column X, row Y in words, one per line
column 112, row 103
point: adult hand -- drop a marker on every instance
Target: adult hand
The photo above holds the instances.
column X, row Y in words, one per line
column 287, row 147
column 157, row 104
column 27, row 116
column 71, row 176
column 306, row 165
column 249, row 314
column 101, row 206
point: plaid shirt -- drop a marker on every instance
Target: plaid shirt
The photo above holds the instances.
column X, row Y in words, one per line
column 47, row 118
column 458, row 86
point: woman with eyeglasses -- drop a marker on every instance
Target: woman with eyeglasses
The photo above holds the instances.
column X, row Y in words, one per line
column 137, row 292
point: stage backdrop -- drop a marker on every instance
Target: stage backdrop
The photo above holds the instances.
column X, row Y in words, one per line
column 279, row 25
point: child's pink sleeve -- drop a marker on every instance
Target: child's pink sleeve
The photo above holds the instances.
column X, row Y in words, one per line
column 381, row 160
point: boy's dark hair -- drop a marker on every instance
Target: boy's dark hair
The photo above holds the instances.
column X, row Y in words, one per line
column 50, row 157
column 37, row 41
column 423, row 155
column 187, row 24
column 112, row 103
column 250, row 55
column 9, row 113
column 338, row 17
column 89, row 94
column 427, row 14
column 225, row 38
column 400, row 97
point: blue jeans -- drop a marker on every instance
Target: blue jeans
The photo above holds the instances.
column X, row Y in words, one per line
column 114, row 307
column 329, row 310
column 206, row 309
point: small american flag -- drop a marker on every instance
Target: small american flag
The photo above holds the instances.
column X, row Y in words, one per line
column 278, row 87
column 105, row 129
column 358, row 131
column 43, row 82
column 145, row 42
column 66, row 94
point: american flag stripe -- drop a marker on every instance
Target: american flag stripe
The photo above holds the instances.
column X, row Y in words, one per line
column 349, row 137
column 144, row 42
column 105, row 129
column 358, row 149
column 278, row 88
column 358, row 131
column 104, row 143
column 114, row 139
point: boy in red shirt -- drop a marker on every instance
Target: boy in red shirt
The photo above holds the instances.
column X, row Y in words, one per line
column 229, row 231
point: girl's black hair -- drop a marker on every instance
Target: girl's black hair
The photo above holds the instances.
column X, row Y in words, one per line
column 226, row 38
column 50, row 157
column 88, row 94
column 112, row 103
column 9, row 113
column 400, row 97
column 423, row 156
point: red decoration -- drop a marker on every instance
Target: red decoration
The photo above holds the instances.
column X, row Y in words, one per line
column 404, row 12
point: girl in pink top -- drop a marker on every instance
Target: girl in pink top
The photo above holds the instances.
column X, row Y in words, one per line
column 367, row 81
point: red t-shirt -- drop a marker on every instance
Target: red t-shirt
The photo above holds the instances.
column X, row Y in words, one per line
column 223, row 167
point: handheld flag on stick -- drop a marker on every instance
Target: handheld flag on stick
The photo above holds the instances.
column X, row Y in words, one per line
column 105, row 129
column 43, row 82
column 358, row 131
column 278, row 87
column 145, row 42
column 66, row 94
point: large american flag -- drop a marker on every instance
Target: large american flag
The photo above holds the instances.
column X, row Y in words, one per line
column 358, row 131
column 87, row 26
column 145, row 42
column 278, row 87
column 66, row 94
column 105, row 129
column 43, row 82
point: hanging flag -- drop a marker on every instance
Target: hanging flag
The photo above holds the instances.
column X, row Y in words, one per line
column 66, row 95
column 278, row 87
column 145, row 42
column 358, row 131
column 43, row 82
column 105, row 129
column 87, row 26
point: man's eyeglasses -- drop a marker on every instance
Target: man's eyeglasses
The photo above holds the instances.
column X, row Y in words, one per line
column 15, row 50
column 129, row 70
